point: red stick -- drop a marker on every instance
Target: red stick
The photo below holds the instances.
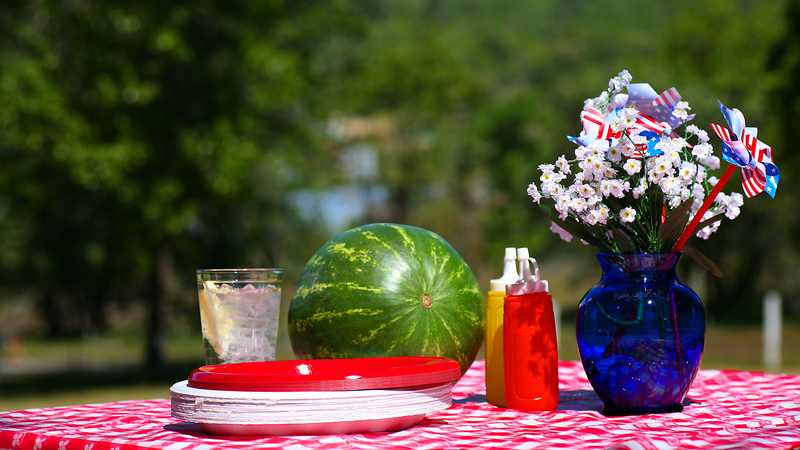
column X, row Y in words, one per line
column 702, row 211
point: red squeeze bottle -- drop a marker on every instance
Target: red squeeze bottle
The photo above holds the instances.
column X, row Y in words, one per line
column 530, row 347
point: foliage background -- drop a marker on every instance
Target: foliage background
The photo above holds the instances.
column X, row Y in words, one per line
column 140, row 141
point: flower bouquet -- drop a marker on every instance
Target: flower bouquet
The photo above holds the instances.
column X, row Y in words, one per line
column 640, row 180
column 638, row 187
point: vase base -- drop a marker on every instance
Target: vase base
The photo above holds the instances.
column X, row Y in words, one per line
column 614, row 411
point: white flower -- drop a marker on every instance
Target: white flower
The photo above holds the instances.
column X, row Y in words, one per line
column 614, row 153
column 701, row 174
column 712, row 162
column 706, row 232
column 608, row 170
column 594, row 199
column 579, row 204
column 687, row 171
column 587, row 161
column 627, row 121
column 562, row 206
column 663, row 165
column 617, row 83
column 595, row 166
column 602, row 213
column 618, row 124
column 597, row 215
column 595, row 102
column 641, row 189
column 558, row 177
column 606, row 187
column 598, row 147
column 698, row 191
column 625, row 186
column 560, row 231
column 674, row 202
column 674, row 155
column 634, row 152
column 696, row 204
column 563, row 165
column 591, row 217
column 732, row 212
column 619, row 188
column 737, row 199
column 629, row 112
column 627, row 215
column 694, row 130
column 552, row 189
column 670, row 185
column 533, row 191
column 681, row 110
column 723, row 199
column 585, row 190
column 654, row 176
column 702, row 151
column 632, row 166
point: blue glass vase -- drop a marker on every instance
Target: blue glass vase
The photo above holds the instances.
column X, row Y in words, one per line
column 640, row 334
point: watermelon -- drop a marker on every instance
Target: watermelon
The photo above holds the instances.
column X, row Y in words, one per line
column 387, row 290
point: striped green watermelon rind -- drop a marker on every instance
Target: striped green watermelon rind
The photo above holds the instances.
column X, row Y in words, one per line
column 387, row 290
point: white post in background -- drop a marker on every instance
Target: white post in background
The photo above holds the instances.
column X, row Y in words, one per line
column 772, row 330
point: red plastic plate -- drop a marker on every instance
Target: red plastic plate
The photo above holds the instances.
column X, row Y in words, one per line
column 327, row 374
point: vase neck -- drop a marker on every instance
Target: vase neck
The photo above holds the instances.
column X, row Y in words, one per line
column 638, row 267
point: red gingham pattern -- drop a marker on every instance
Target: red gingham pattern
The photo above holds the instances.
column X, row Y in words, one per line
column 724, row 410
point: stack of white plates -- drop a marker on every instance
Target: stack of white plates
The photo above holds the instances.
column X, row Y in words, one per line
column 327, row 396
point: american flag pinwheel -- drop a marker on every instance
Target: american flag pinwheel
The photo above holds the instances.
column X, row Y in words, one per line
column 740, row 147
column 654, row 111
column 595, row 127
column 656, row 108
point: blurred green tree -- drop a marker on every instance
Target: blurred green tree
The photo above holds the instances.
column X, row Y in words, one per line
column 721, row 50
column 784, row 103
column 140, row 141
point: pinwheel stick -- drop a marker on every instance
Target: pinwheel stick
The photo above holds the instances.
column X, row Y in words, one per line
column 702, row 211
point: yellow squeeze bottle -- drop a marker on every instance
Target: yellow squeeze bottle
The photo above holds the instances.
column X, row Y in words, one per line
column 495, row 373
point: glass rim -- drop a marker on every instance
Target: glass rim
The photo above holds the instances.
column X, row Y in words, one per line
column 251, row 270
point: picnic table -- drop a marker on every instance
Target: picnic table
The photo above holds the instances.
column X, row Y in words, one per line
column 724, row 409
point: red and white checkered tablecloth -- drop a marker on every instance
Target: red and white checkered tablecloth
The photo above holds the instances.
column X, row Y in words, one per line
column 725, row 410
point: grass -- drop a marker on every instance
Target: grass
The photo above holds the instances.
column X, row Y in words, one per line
column 726, row 347
column 106, row 369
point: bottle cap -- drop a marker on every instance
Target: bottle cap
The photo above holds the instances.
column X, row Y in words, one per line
column 528, row 282
column 509, row 271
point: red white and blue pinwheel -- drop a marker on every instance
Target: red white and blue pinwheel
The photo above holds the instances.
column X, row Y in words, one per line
column 653, row 111
column 740, row 147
